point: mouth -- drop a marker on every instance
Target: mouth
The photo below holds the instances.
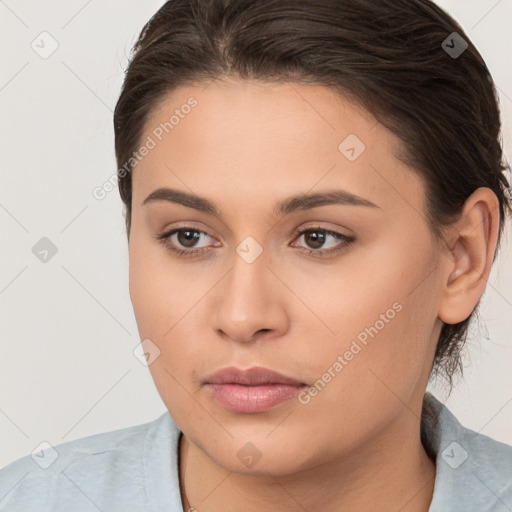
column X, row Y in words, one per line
column 254, row 390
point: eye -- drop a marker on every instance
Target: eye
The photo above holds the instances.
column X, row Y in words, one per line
column 180, row 240
column 317, row 238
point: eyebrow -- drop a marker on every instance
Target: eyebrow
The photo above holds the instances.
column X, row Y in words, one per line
column 289, row 205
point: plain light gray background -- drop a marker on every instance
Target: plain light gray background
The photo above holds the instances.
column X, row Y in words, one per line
column 68, row 332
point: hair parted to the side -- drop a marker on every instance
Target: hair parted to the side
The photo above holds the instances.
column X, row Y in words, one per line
column 385, row 55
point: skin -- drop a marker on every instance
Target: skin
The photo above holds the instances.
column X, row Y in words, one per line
column 356, row 444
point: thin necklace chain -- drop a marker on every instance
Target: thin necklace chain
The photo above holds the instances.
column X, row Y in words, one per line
column 182, row 481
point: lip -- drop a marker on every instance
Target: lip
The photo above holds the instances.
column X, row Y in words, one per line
column 255, row 376
column 256, row 389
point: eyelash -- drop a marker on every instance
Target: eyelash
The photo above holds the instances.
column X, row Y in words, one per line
column 163, row 238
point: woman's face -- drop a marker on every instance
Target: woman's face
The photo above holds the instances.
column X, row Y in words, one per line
column 349, row 308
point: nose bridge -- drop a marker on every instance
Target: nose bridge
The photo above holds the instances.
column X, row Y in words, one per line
column 246, row 283
column 248, row 302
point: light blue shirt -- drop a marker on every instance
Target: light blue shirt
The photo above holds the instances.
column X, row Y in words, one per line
column 136, row 469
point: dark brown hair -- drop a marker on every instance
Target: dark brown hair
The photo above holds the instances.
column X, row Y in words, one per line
column 392, row 57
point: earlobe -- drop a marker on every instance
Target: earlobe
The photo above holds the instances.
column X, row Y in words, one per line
column 474, row 239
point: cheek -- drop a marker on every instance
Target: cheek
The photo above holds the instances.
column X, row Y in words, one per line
column 160, row 300
column 159, row 291
column 167, row 307
column 364, row 379
column 377, row 312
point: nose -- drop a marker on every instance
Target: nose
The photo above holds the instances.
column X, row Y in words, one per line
column 250, row 303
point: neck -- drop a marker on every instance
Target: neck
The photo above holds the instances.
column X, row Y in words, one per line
column 391, row 472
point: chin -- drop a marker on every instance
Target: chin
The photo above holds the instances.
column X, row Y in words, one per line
column 257, row 456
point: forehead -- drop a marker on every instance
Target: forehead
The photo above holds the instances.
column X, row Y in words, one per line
column 263, row 141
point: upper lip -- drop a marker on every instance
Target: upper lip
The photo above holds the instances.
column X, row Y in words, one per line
column 254, row 376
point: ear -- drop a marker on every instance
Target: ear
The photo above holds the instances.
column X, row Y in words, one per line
column 471, row 244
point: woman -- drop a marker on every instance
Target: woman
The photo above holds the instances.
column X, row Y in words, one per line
column 314, row 198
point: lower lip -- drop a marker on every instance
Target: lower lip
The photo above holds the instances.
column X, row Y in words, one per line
column 252, row 398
